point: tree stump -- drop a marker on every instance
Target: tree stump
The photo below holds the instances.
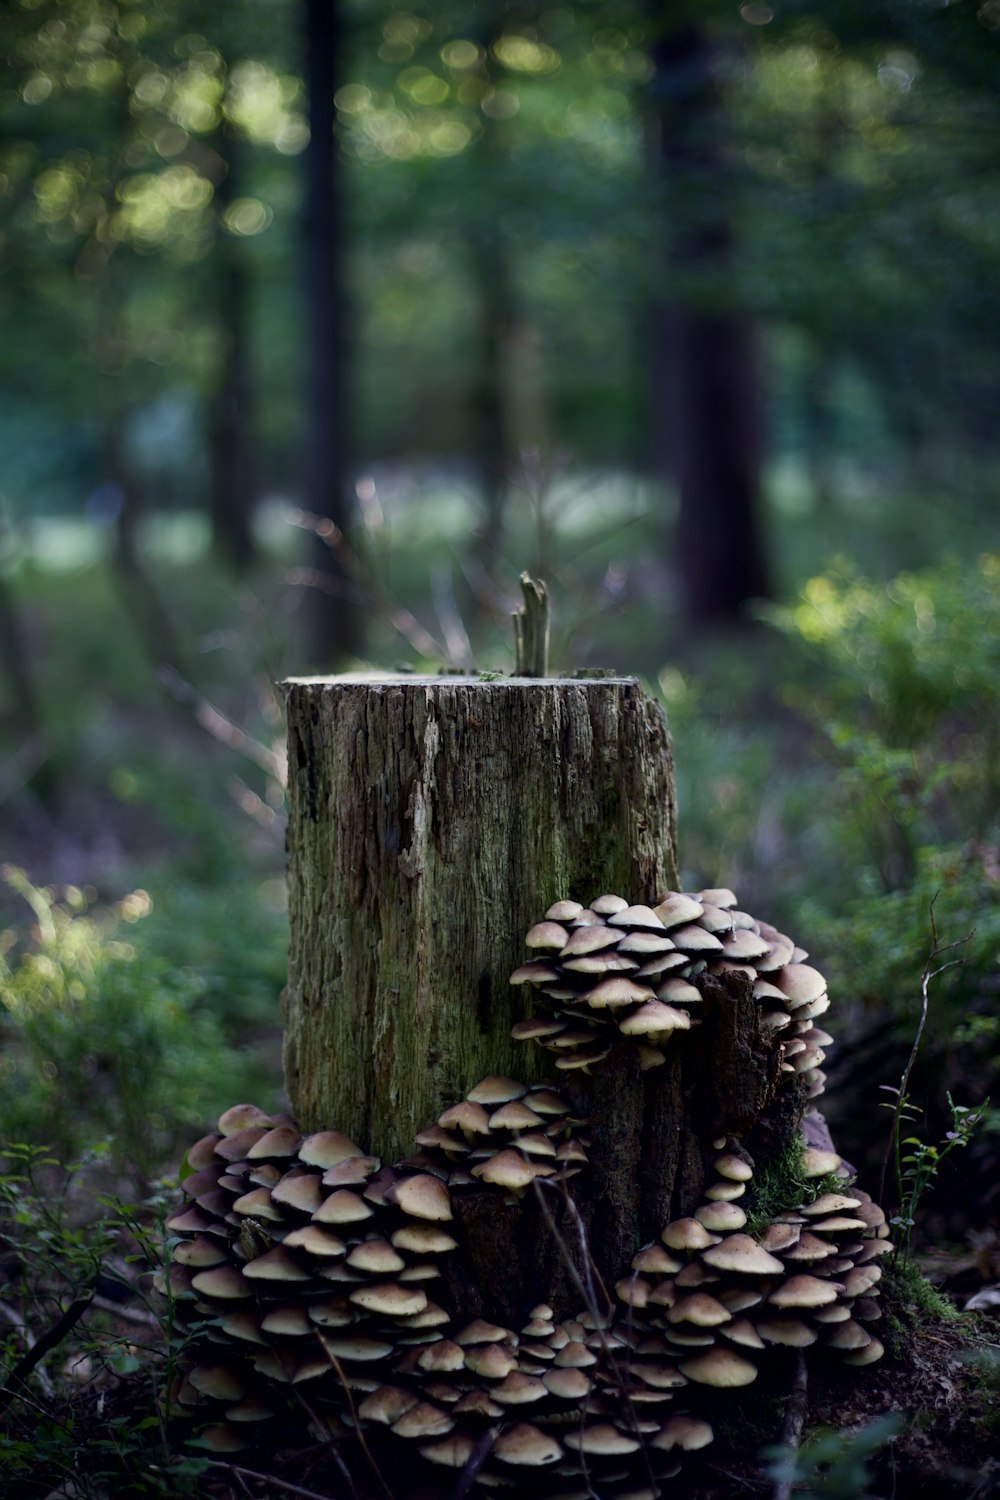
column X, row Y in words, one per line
column 433, row 820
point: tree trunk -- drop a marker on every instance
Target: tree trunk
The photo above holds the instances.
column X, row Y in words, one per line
column 432, row 822
column 233, row 497
column 334, row 620
column 707, row 372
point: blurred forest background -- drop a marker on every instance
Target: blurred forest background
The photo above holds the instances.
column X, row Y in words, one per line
column 323, row 318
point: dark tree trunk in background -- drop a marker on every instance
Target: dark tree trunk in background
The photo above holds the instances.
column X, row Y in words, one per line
column 709, row 422
column 334, row 617
column 233, row 496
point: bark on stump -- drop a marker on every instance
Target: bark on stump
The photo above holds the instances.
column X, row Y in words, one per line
column 432, row 822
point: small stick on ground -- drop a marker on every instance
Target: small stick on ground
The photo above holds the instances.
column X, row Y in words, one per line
column 791, row 1428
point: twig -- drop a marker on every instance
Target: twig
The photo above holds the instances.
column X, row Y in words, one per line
column 240, row 1473
column 791, row 1428
column 474, row 1463
column 14, row 1318
column 937, row 948
column 222, row 728
column 42, row 1346
column 127, row 1314
column 401, row 620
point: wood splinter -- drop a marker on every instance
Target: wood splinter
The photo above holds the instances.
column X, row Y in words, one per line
column 531, row 630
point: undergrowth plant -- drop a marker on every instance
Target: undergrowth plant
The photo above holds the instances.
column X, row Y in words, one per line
column 100, row 1039
column 87, row 1352
column 832, row 1465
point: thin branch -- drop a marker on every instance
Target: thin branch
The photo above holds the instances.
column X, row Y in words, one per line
column 791, row 1429
column 929, row 973
column 14, row 1318
column 42, row 1346
column 238, row 1472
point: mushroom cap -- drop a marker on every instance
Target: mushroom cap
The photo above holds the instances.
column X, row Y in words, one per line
column 526, row 1446
column 516, row 1115
column 386, row 1404
column 342, row 1207
column 567, row 1384
column 518, row 1389
column 642, row 917
column 699, row 1308
column 423, row 1239
column 866, row 1356
column 563, row 911
column 786, row 1330
column 817, row 1163
column 618, row 990
column 739, row 1252
column 495, row 1091
column 546, row 935
column 676, row 909
column 454, row 1451
column 243, row 1117
column 719, row 1367
column 683, row 1432
column 275, row 1265
column 390, row 1298
column 376, row 1256
column 600, row 1439
column 687, row 1234
column 423, row 1421
column 800, row 983
column 325, row 1148
column 805, row 1291
column 721, row 1216
column 422, row 1196
column 734, row 1167
column 283, row 1140
column 654, row 1018
column 507, row 1169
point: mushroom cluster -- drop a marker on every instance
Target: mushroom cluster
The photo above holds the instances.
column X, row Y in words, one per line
column 546, row 1409
column 305, row 1262
column 613, row 969
column 719, row 1295
column 308, row 1276
column 503, row 1134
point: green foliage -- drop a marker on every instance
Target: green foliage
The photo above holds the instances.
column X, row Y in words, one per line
column 89, row 1419
column 916, row 1162
column 908, row 1289
column 779, row 1184
column 833, row 1465
column 100, row 1038
column 985, row 1365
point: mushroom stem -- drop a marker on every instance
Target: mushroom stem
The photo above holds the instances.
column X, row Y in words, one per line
column 531, row 630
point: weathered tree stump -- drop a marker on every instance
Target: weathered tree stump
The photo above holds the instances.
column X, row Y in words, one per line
column 433, row 820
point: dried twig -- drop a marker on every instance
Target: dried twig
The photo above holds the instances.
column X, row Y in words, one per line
column 929, row 973
column 13, row 1317
column 238, row 1472
column 42, row 1346
column 791, row 1428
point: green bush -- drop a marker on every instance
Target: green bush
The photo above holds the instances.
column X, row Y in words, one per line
column 100, row 1039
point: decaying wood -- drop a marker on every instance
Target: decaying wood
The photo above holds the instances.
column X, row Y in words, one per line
column 432, row 821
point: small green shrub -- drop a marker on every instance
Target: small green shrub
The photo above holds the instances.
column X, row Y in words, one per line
column 833, row 1465
column 100, row 1039
column 88, row 1419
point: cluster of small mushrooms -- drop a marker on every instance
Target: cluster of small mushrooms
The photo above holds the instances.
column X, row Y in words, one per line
column 309, row 1277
